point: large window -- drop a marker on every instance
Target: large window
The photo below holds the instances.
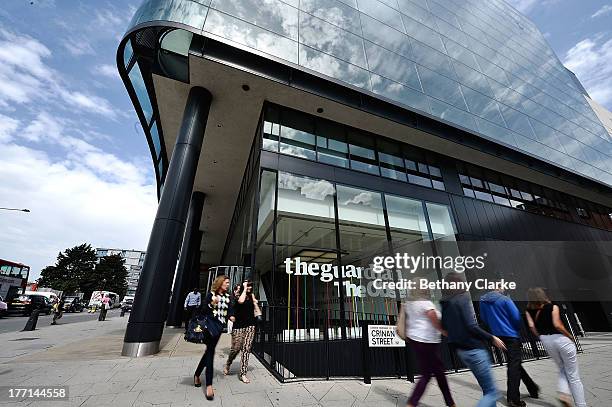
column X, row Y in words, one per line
column 488, row 185
column 290, row 132
column 333, row 225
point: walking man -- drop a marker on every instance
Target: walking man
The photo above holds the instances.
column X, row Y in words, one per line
column 192, row 303
column 499, row 313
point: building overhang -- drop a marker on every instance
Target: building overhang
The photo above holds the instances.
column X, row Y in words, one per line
column 235, row 113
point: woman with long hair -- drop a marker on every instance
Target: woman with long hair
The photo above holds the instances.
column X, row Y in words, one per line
column 243, row 330
column 544, row 320
column 216, row 306
column 423, row 329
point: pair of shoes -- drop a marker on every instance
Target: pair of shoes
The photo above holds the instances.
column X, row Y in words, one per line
column 519, row 403
column 225, row 370
column 534, row 394
column 244, row 379
column 196, row 381
column 210, row 397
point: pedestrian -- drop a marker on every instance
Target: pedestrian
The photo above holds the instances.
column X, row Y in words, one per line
column 58, row 309
column 216, row 307
column 104, row 306
column 468, row 339
column 243, row 329
column 503, row 319
column 423, row 329
column 192, row 304
column 544, row 320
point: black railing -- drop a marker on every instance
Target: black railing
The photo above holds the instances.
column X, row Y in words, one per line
column 307, row 343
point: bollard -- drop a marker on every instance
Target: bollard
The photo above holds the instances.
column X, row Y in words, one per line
column 365, row 353
column 102, row 316
column 32, row 321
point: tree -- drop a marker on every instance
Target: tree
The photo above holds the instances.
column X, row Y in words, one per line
column 69, row 270
column 112, row 270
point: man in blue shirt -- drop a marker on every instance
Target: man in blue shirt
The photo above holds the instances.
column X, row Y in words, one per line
column 503, row 319
column 192, row 303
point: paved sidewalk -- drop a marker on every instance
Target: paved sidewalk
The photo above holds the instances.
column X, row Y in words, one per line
column 85, row 357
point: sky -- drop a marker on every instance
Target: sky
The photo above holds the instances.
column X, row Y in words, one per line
column 72, row 150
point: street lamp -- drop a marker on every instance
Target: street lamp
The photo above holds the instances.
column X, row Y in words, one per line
column 15, row 209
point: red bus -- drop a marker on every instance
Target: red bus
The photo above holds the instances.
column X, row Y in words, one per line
column 13, row 279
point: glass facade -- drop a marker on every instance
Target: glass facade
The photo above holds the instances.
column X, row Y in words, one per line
column 290, row 132
column 491, row 186
column 478, row 65
column 327, row 223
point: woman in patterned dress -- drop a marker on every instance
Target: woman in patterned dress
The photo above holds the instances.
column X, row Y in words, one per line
column 215, row 305
column 243, row 330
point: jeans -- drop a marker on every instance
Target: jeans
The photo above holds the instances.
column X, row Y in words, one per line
column 563, row 351
column 479, row 362
column 207, row 359
column 516, row 373
column 430, row 363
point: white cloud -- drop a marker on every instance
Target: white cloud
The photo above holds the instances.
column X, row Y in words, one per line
column 591, row 61
column 78, row 46
column 8, row 125
column 87, row 195
column 25, row 77
column 107, row 70
column 606, row 9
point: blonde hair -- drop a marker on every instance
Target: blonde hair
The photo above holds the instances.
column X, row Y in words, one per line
column 537, row 298
column 216, row 285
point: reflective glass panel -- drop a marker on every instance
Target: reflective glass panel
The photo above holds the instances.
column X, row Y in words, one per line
column 247, row 34
column 141, row 92
column 273, row 15
column 319, row 34
column 392, row 66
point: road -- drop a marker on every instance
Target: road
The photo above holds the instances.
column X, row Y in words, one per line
column 16, row 323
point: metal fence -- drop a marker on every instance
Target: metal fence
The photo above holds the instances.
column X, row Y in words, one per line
column 323, row 345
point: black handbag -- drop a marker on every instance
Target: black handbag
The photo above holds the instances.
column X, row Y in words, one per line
column 201, row 328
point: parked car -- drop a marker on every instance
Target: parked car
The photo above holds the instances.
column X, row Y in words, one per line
column 24, row 304
column 73, row 304
column 3, row 307
column 126, row 304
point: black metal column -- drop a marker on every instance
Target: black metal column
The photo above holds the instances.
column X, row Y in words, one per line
column 194, row 276
column 185, row 269
column 146, row 323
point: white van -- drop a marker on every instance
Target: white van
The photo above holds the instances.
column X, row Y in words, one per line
column 96, row 299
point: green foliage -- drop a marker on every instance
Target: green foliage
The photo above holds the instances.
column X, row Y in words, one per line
column 113, row 270
column 69, row 270
column 76, row 270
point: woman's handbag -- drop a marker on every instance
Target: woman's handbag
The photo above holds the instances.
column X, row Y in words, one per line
column 201, row 328
column 401, row 323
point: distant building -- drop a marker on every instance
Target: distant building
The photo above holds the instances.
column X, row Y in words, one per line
column 133, row 262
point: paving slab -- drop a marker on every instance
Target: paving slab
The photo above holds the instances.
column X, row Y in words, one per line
column 86, row 358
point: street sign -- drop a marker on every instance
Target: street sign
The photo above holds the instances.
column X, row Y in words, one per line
column 383, row 336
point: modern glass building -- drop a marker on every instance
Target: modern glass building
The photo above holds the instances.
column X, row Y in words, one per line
column 338, row 130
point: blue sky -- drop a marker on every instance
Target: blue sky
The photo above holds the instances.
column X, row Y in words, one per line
column 72, row 150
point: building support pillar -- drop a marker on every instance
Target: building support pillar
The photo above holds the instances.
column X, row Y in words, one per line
column 183, row 281
column 146, row 324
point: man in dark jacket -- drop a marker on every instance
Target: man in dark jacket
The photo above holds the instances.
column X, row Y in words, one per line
column 503, row 319
column 468, row 339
